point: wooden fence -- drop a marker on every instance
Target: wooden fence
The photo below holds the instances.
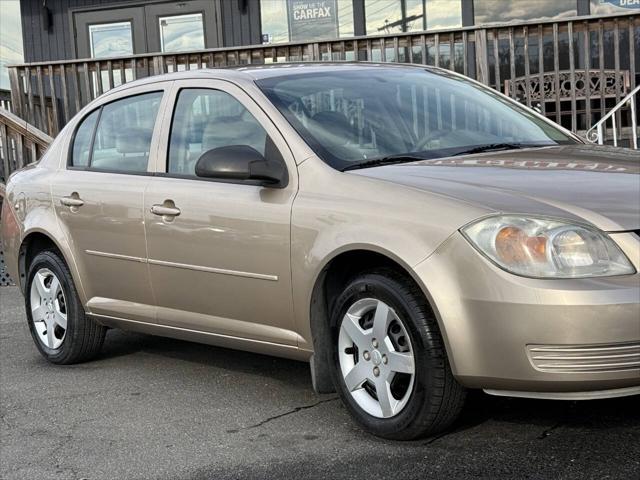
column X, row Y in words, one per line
column 20, row 143
column 583, row 54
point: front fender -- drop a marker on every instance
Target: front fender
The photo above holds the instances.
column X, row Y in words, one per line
column 336, row 212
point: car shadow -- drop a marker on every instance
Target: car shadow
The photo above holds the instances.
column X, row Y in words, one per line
column 543, row 415
column 121, row 344
column 548, row 415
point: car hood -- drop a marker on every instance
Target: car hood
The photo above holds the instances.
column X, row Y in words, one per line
column 600, row 185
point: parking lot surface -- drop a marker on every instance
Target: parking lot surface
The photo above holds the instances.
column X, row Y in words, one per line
column 158, row 408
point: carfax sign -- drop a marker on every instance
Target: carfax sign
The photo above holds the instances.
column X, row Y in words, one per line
column 623, row 3
column 312, row 19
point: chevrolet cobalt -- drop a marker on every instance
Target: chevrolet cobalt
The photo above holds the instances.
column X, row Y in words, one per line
column 409, row 232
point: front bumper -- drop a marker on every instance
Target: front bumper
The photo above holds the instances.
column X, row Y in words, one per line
column 531, row 337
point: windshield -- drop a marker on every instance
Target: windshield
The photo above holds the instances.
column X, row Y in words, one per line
column 358, row 117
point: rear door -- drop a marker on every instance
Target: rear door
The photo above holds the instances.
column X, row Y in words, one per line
column 98, row 199
column 220, row 262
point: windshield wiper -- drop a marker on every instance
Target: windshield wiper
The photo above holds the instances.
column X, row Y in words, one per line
column 389, row 160
column 493, row 147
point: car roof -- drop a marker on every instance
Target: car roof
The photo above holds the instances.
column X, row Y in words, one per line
column 260, row 71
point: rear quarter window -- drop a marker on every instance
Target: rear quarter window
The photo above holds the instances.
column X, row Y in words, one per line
column 82, row 140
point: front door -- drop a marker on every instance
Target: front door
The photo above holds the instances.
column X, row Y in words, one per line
column 219, row 253
column 98, row 199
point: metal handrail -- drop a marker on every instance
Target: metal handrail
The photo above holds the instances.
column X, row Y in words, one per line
column 600, row 125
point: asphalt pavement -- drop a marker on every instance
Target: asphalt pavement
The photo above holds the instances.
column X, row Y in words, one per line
column 158, row 408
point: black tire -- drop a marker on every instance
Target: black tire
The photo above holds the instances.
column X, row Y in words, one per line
column 84, row 337
column 437, row 398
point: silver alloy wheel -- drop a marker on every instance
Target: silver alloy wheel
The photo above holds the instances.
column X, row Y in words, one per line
column 376, row 358
column 48, row 308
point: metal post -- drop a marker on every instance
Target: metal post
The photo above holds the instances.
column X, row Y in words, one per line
column 599, row 132
column 634, row 123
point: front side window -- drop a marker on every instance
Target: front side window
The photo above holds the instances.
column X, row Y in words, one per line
column 121, row 141
column 403, row 111
column 205, row 119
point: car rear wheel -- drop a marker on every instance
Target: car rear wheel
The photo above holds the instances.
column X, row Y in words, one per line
column 389, row 362
column 60, row 329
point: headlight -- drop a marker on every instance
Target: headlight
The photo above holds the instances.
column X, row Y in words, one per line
column 539, row 247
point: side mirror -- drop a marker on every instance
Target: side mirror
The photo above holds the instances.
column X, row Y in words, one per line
column 241, row 162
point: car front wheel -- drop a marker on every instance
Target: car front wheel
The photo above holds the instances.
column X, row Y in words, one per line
column 60, row 329
column 389, row 364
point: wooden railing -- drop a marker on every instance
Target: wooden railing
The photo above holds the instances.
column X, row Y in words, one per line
column 20, row 143
column 47, row 95
column 5, row 99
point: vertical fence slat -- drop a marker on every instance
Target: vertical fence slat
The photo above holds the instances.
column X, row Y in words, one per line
column 482, row 63
column 512, row 64
column 616, row 65
column 87, row 82
column 110, row 74
column 496, row 56
column 396, row 50
column 17, row 92
column 76, row 87
column 556, row 71
column 27, row 75
column 42, row 99
column 632, row 54
column 465, row 54
column 20, row 156
column 587, row 75
column 5, row 152
column 603, row 108
column 55, row 128
column 33, row 151
column 543, row 105
column 123, row 72
column 452, row 54
column 98, row 79
column 572, row 79
column 527, row 67
column 65, row 94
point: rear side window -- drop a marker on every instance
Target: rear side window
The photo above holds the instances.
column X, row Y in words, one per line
column 207, row 119
column 122, row 139
column 82, row 140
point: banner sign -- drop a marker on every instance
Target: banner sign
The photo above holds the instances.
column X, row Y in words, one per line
column 312, row 19
column 623, row 3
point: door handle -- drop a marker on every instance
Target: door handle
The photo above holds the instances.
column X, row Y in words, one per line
column 165, row 211
column 72, row 201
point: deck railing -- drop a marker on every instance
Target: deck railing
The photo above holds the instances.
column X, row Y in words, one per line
column 20, row 143
column 574, row 71
column 585, row 54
